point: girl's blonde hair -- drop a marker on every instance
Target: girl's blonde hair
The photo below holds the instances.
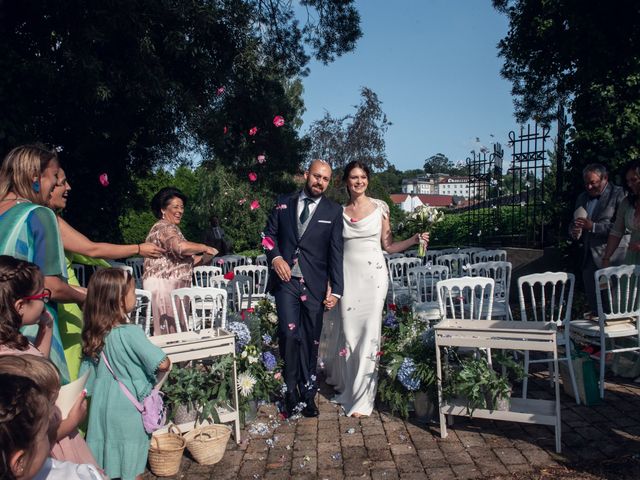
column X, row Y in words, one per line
column 18, row 279
column 20, row 166
column 103, row 307
column 39, row 369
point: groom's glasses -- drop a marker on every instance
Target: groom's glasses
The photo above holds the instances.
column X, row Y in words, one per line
column 45, row 296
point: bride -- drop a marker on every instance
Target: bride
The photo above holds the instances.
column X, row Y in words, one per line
column 354, row 340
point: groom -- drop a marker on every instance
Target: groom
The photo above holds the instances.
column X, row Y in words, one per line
column 306, row 229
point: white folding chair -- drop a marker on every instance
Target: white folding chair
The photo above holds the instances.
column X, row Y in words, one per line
column 618, row 302
column 471, row 251
column 398, row 276
column 548, row 297
column 489, row 256
column 137, row 264
column 242, row 288
column 229, row 262
column 466, row 298
column 501, row 274
column 259, row 276
column 141, row 314
column 458, row 263
column 422, row 284
column 262, row 260
column 78, row 270
column 202, row 274
column 199, row 308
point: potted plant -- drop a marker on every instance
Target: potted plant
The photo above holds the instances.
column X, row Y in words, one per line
column 196, row 391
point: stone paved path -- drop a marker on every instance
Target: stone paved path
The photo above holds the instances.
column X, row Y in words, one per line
column 597, row 442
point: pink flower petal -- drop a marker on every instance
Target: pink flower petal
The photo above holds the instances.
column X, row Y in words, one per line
column 268, row 243
column 380, row 353
column 282, row 206
column 219, row 91
column 229, row 275
column 277, row 375
column 302, row 280
column 278, row 121
column 262, row 159
column 253, row 131
column 253, row 176
column 255, row 205
column 104, row 180
column 343, row 352
column 220, row 261
column 242, row 201
column 353, row 220
column 292, row 326
column 225, row 130
column 303, row 298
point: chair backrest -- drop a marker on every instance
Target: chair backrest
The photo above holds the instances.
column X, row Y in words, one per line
column 199, row 307
column 501, row 274
column 141, row 314
column 202, row 275
column 399, row 268
column 137, row 264
column 411, row 253
column 229, row 262
column 546, row 297
column 78, row 270
column 242, row 286
column 258, row 273
column 466, row 298
column 262, row 260
column 457, row 262
column 125, row 267
column 423, row 280
column 617, row 292
column 489, row 256
column 471, row 251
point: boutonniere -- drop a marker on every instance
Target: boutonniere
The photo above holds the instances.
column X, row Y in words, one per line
column 282, row 206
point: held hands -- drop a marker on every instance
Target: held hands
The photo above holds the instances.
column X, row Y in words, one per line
column 421, row 237
column 151, row 250
column 330, row 301
column 282, row 269
column 583, row 223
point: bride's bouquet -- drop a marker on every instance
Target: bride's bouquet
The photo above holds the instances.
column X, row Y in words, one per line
column 422, row 219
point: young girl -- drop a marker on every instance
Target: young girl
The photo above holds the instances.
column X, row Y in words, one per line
column 22, row 299
column 24, row 424
column 45, row 376
column 115, row 433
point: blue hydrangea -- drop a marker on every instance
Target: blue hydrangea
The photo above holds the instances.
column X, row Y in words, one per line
column 406, row 375
column 429, row 338
column 390, row 320
column 242, row 333
column 266, row 339
column 269, row 361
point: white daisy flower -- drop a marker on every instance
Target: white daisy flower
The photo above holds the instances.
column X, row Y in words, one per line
column 246, row 382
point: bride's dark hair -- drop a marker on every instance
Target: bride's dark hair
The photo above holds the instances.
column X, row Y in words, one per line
column 350, row 166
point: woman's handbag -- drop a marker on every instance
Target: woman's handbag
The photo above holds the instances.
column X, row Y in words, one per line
column 154, row 415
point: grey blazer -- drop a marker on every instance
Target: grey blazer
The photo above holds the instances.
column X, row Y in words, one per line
column 604, row 217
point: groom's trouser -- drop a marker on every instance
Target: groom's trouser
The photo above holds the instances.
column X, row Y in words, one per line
column 299, row 326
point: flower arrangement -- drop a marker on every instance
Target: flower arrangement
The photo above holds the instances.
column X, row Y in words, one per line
column 422, row 219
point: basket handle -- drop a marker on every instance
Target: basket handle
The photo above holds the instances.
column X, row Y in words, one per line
column 176, row 428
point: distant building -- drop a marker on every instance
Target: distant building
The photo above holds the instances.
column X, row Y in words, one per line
column 459, row 186
column 442, row 184
column 408, row 202
column 420, row 184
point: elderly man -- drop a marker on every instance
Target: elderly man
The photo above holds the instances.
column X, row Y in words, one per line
column 595, row 211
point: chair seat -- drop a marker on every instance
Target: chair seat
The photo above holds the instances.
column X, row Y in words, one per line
column 426, row 311
column 589, row 328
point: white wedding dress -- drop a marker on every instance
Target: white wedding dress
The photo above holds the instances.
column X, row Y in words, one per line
column 352, row 341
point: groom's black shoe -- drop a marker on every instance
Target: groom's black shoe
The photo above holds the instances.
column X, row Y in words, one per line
column 311, row 410
column 290, row 404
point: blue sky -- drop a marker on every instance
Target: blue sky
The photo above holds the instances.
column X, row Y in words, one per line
column 434, row 65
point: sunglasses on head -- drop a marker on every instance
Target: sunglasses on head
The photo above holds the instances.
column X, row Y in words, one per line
column 45, row 296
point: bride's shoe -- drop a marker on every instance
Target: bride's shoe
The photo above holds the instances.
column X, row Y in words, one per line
column 358, row 415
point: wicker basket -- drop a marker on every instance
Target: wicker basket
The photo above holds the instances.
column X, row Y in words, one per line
column 208, row 443
column 165, row 452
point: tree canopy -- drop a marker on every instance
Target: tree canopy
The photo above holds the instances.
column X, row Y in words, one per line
column 582, row 55
column 123, row 87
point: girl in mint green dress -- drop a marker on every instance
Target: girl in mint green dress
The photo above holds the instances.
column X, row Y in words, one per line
column 115, row 432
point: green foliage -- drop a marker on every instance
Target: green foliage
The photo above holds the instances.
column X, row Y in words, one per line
column 203, row 386
column 440, row 163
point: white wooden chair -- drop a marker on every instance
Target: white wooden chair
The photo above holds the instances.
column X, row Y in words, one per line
column 398, row 276
column 422, row 284
column 466, row 298
column 137, row 264
column 618, row 302
column 229, row 262
column 141, row 314
column 262, row 260
column 501, row 274
column 548, row 297
column 202, row 274
column 79, row 272
column 489, row 256
column 259, row 276
column 458, row 263
column 199, row 308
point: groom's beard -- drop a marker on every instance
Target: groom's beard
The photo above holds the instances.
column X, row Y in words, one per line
column 310, row 194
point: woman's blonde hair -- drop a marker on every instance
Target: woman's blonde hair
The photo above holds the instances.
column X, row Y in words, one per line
column 103, row 307
column 20, row 166
column 39, row 369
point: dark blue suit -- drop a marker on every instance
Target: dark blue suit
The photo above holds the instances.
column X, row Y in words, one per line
column 299, row 302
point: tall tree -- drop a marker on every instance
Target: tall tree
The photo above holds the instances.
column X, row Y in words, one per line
column 124, row 87
column 359, row 136
column 586, row 56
